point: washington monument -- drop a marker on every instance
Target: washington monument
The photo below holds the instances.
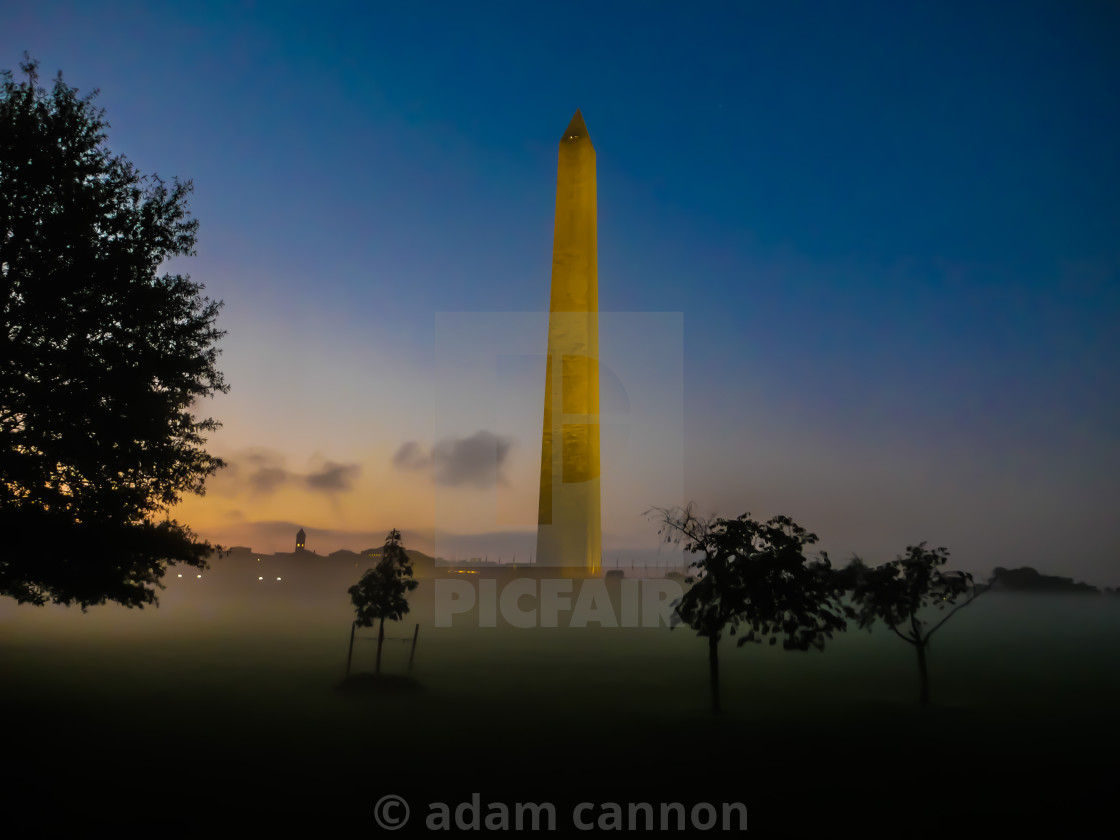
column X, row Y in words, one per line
column 568, row 521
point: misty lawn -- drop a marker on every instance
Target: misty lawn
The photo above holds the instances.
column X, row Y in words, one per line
column 214, row 702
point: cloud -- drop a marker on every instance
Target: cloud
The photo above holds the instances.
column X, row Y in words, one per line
column 474, row 460
column 263, row 472
column 411, row 457
column 265, row 480
column 333, row 477
column 260, row 470
column 456, row 462
column 260, row 457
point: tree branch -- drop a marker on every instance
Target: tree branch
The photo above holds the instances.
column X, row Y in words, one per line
column 904, row 638
column 975, row 595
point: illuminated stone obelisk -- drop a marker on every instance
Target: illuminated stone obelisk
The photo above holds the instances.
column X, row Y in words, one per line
column 568, row 523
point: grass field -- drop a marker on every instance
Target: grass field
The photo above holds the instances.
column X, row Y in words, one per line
column 211, row 712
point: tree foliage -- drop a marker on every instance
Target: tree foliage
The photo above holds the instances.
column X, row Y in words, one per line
column 753, row 579
column 102, row 359
column 380, row 594
column 899, row 592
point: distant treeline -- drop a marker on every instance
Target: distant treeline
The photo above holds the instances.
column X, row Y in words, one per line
column 1023, row 579
column 1030, row 580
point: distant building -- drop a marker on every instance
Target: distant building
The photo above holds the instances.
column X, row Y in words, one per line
column 300, row 539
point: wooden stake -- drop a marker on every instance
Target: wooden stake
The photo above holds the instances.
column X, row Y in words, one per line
column 350, row 655
column 412, row 655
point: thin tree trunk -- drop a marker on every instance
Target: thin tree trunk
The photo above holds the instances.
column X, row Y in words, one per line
column 350, row 654
column 713, row 668
column 380, row 639
column 923, row 670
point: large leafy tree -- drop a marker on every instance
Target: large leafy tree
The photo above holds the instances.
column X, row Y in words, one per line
column 753, row 577
column 380, row 594
column 102, row 359
column 907, row 594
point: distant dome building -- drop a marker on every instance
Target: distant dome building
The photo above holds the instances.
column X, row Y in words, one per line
column 300, row 539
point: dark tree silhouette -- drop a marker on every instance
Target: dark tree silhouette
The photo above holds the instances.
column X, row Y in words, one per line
column 101, row 359
column 380, row 594
column 896, row 592
column 756, row 575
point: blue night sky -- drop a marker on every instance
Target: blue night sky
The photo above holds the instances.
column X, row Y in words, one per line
column 892, row 231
